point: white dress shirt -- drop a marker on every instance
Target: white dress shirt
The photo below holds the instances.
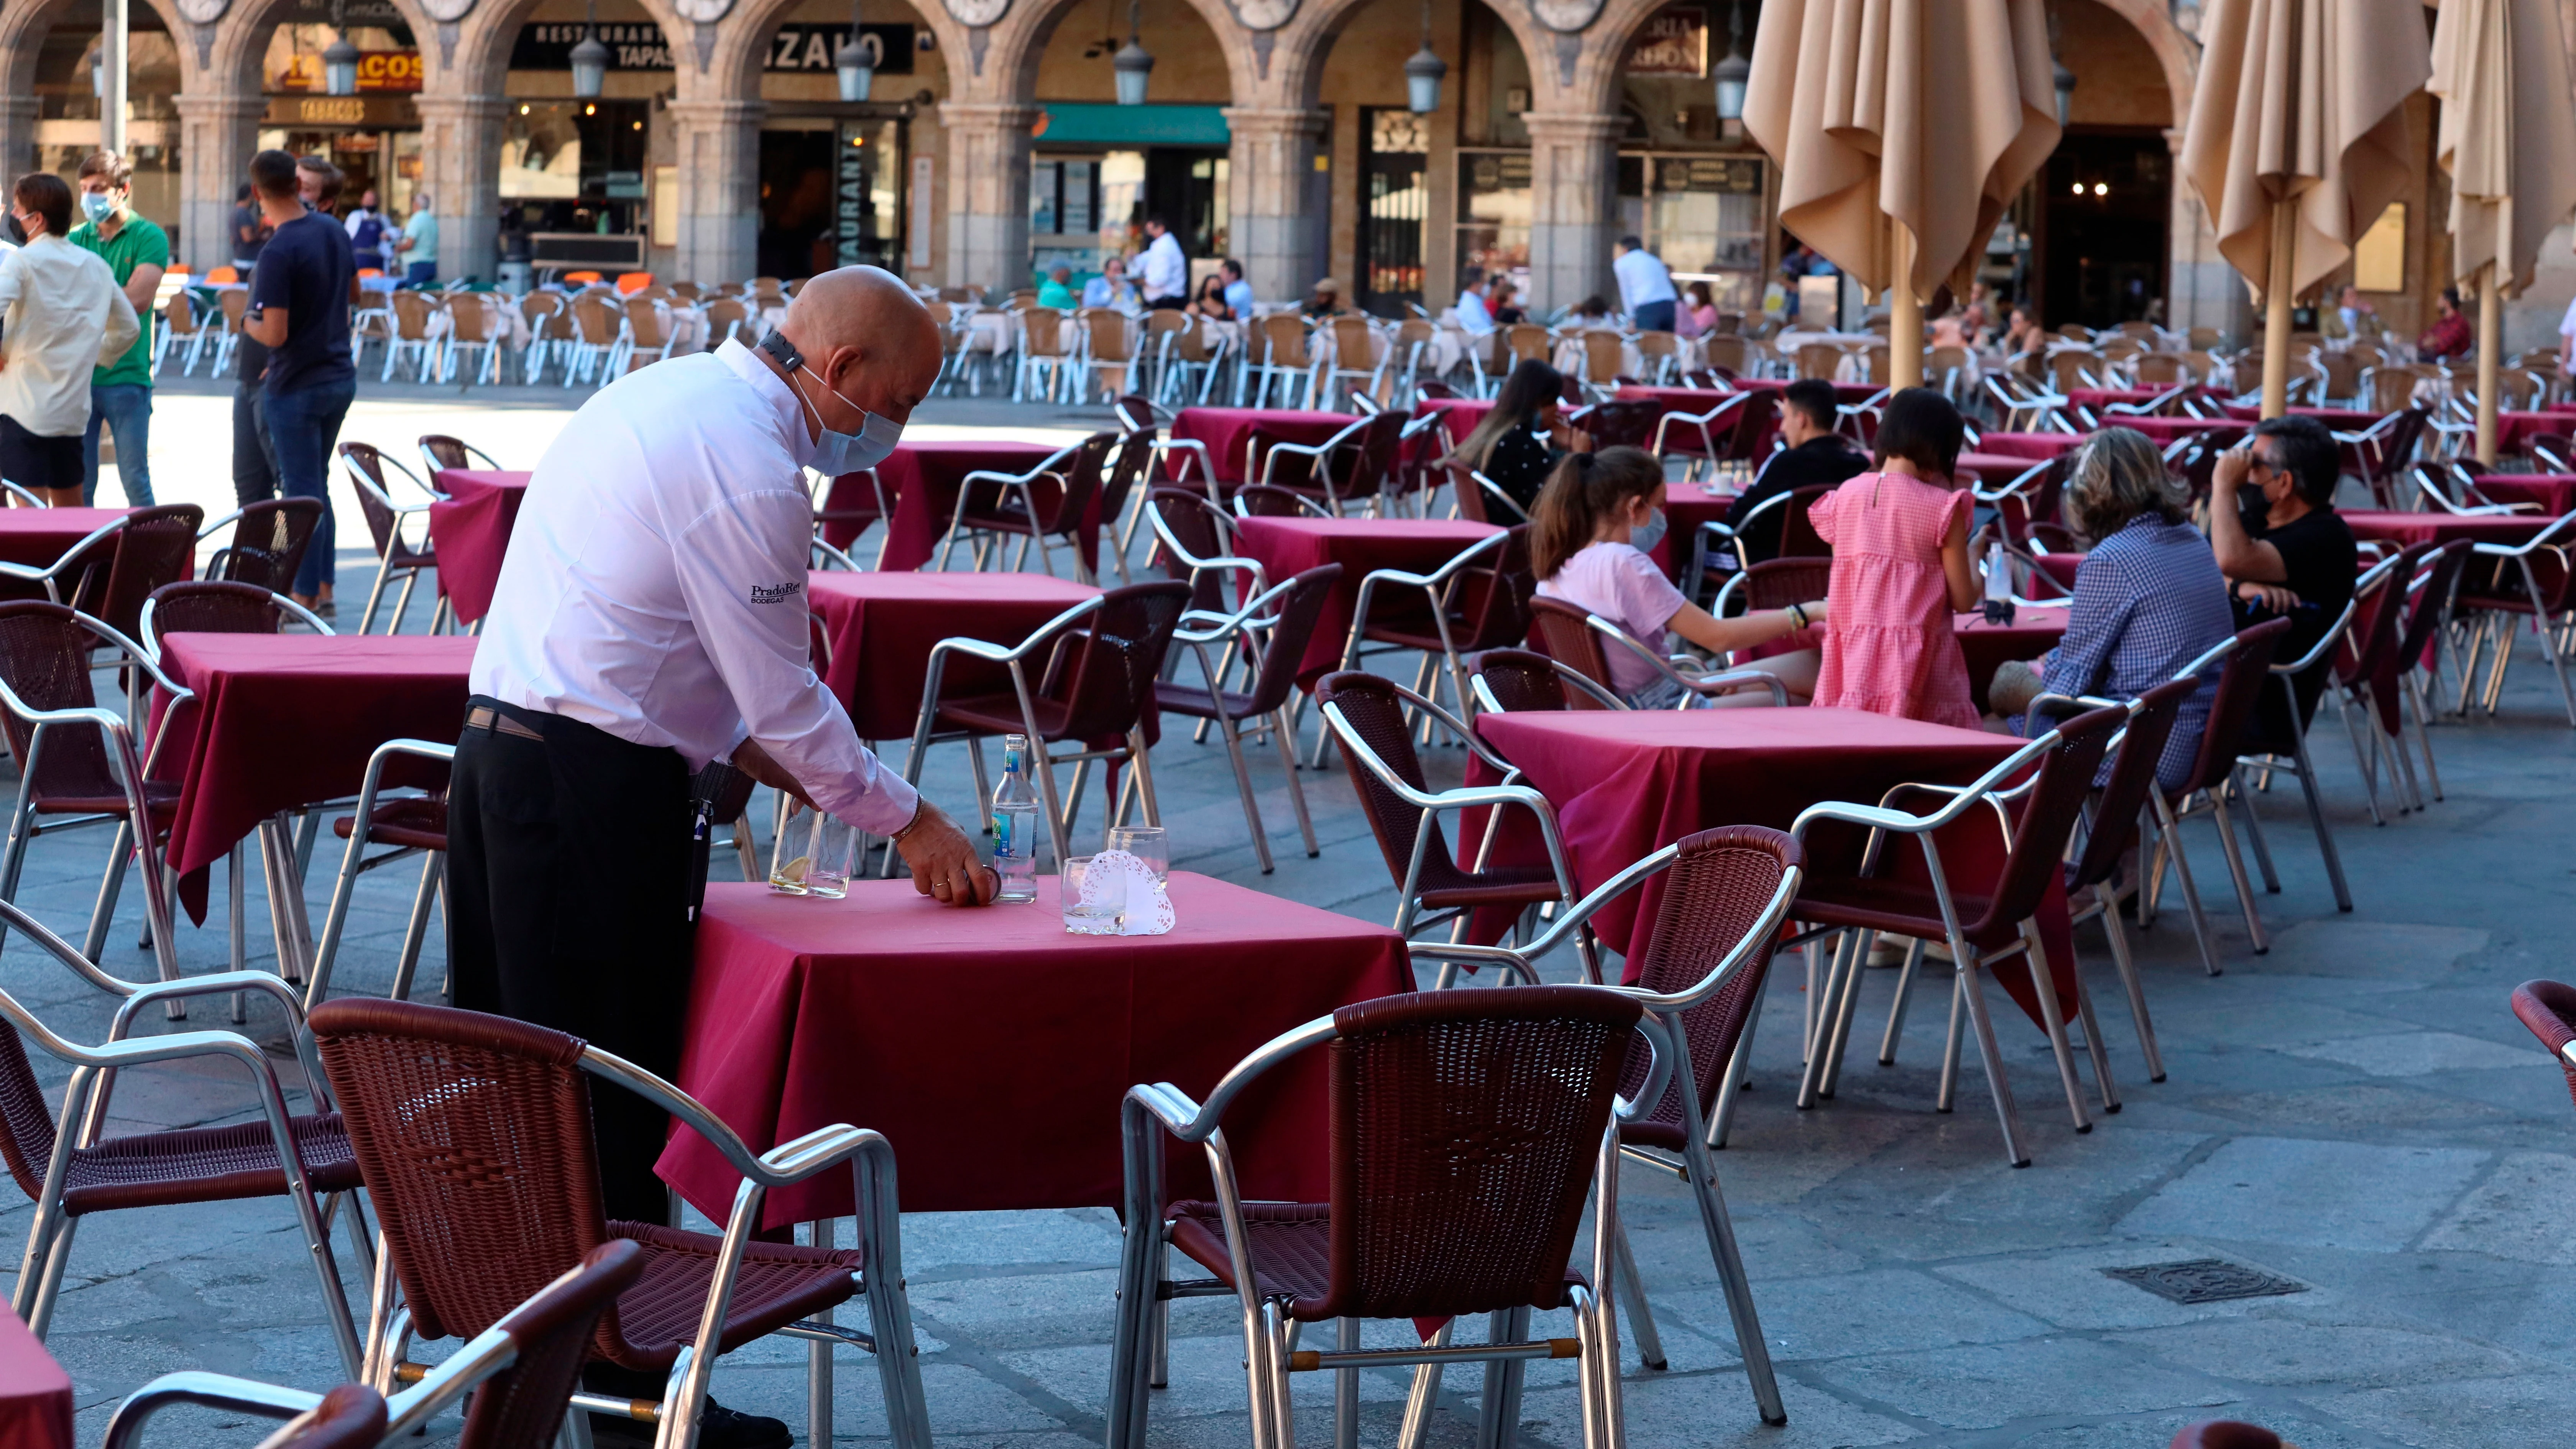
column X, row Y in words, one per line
column 1472, row 315
column 61, row 316
column 1162, row 270
column 655, row 583
column 1643, row 278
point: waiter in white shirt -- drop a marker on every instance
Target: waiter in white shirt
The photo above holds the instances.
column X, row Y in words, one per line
column 1162, row 273
column 651, row 617
column 1645, row 286
column 61, row 318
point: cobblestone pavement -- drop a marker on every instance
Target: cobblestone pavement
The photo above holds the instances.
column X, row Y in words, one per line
column 2356, row 1112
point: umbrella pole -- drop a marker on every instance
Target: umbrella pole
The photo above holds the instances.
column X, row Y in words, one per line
column 1904, row 309
column 2490, row 317
column 2276, row 308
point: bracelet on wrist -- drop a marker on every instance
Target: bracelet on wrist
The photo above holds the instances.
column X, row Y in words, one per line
column 909, row 826
column 1797, row 618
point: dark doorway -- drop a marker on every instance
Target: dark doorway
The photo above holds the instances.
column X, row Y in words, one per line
column 1181, row 186
column 2105, row 203
column 797, row 215
column 1394, row 205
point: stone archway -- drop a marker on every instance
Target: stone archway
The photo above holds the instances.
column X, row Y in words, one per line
column 23, row 30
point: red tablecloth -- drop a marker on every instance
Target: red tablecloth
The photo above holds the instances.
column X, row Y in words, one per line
column 1287, row 547
column 2406, row 528
column 2032, row 633
column 1686, row 507
column 471, row 533
column 2037, row 447
column 284, row 720
column 2165, row 430
column 993, row 1049
column 1226, row 431
column 37, row 537
column 1462, row 413
column 1629, row 782
column 1992, row 470
column 2554, row 492
column 923, row 479
column 35, row 1393
column 1751, row 437
column 882, row 626
column 2514, row 430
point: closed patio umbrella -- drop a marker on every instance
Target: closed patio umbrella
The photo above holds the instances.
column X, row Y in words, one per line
column 2508, row 138
column 1902, row 129
column 2298, row 140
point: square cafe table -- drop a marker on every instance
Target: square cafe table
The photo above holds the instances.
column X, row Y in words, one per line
column 470, row 530
column 881, row 627
column 1227, row 432
column 2554, row 492
column 993, row 1048
column 38, row 537
column 1287, row 547
column 1626, row 783
column 922, row 479
column 35, row 1393
column 282, row 721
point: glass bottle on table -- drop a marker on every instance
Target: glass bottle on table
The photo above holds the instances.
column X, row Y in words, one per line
column 1015, row 824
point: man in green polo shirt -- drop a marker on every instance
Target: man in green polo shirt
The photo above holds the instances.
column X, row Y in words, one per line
column 136, row 253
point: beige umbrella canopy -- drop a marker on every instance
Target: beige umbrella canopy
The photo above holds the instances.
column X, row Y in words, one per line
column 2298, row 140
column 2508, row 138
column 1902, row 129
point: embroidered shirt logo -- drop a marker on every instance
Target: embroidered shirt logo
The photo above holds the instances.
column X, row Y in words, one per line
column 777, row 593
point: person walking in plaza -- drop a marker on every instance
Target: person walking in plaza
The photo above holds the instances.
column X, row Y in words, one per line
column 120, row 392
column 299, row 311
column 367, row 229
column 250, row 230
column 1901, row 570
column 61, row 317
column 1645, row 286
column 1163, row 273
column 417, row 247
column 650, row 618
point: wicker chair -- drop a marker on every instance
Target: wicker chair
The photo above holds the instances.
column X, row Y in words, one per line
column 1619, row 424
column 521, row 1372
column 2414, row 666
column 1194, row 543
column 1467, row 1130
column 1478, row 600
column 424, row 1088
column 1982, row 923
column 268, row 542
column 1509, row 681
column 59, row 1158
column 365, row 465
column 2526, row 580
column 1269, row 633
column 440, row 451
column 2549, row 1009
column 1726, row 895
column 1048, row 501
column 2213, row 785
column 1582, row 640
column 1100, row 659
column 411, row 825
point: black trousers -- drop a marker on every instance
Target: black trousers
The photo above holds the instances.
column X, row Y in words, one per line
column 569, row 872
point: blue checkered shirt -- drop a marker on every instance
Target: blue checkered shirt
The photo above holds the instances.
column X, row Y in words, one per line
column 2148, row 600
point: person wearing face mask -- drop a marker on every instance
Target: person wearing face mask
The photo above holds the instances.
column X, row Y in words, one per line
column 61, row 316
column 650, row 617
column 1590, row 536
column 120, row 393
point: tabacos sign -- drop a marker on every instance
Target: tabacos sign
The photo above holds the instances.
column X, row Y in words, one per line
column 378, row 70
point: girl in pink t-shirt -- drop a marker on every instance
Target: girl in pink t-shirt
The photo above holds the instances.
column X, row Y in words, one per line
column 1901, row 570
column 1589, row 533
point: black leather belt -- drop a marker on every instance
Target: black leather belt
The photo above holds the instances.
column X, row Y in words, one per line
column 484, row 717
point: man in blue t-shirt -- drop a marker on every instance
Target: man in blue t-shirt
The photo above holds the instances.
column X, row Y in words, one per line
column 299, row 310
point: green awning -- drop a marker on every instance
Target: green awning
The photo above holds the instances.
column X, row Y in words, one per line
column 1102, row 123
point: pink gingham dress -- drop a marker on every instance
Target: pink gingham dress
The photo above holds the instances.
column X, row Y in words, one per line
column 1889, row 646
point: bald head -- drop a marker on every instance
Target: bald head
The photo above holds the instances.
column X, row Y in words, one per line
column 866, row 337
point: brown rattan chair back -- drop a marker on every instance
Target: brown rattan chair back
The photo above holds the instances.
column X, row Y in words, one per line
column 383, row 525
column 2240, row 689
column 156, row 546
column 1498, row 593
column 473, row 1136
column 446, row 452
column 2547, row 1007
column 1376, row 713
column 1368, row 466
column 1465, row 1126
column 1617, row 424
column 1126, row 468
column 44, row 659
column 268, row 543
column 1776, row 583
column 2424, row 618
column 1719, row 885
column 2367, row 650
column 1563, row 633
column 1107, row 683
column 2047, row 820
column 1729, row 351
column 1266, row 500
column 210, row 606
column 2132, row 775
column 1819, row 360
column 1527, row 341
column 1283, row 334
column 1200, row 527
column 351, row 1416
column 1298, row 612
column 1522, row 681
column 522, row 1407
column 1798, row 536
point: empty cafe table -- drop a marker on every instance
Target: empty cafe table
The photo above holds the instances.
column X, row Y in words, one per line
column 37, row 537
column 2037, row 447
column 281, row 721
column 1287, row 547
column 881, row 626
column 1227, row 434
column 2555, row 493
column 922, row 480
column 470, row 531
column 994, row 1049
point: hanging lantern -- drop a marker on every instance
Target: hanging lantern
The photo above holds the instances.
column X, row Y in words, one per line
column 1132, row 63
column 1734, row 72
column 2065, row 93
column 860, row 56
column 590, row 58
column 1423, row 73
column 340, row 61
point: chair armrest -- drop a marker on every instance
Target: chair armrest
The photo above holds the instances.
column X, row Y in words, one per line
column 1005, row 654
column 1196, row 1121
column 215, row 1391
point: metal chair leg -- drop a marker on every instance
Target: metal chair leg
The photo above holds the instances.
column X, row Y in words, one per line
column 2052, row 1019
column 1233, row 733
column 2317, row 819
column 2236, row 868
column 1972, row 995
column 1896, row 1009
column 2128, row 969
column 1641, row 1314
column 1284, row 733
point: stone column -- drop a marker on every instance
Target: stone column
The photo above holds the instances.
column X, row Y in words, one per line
column 2201, row 289
column 718, row 155
column 460, row 147
column 217, row 133
column 17, row 135
column 1277, row 226
column 1574, row 205
column 988, row 193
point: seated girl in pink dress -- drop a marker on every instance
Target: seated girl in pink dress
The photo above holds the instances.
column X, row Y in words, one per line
column 1901, row 570
column 1589, row 536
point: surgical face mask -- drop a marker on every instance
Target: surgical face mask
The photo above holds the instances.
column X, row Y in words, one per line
column 98, row 206
column 15, row 234
column 1646, row 535
column 839, row 453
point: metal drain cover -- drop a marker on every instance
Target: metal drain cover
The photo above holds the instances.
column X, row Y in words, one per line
column 2206, row 1280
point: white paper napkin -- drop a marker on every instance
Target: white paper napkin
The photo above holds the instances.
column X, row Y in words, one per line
column 1119, row 878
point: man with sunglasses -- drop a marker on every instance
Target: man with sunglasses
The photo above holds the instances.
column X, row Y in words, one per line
column 2284, row 549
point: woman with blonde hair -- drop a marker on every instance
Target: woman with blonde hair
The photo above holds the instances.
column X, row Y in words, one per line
column 2148, row 598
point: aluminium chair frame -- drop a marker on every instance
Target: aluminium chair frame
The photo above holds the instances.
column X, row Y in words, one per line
column 1695, row 687
column 2300, row 764
column 1437, row 588
column 1022, row 485
column 1700, row 423
column 2555, row 540
column 1599, row 693
column 423, row 557
column 353, row 863
column 1322, row 465
column 1241, row 631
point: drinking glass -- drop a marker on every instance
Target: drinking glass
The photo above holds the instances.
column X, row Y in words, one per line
column 1082, row 920
column 826, row 849
column 1148, row 843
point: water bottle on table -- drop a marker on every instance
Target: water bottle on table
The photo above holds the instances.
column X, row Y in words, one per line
column 1015, row 824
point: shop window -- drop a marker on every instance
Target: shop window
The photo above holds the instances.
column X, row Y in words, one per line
column 1493, row 229
column 1397, row 207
